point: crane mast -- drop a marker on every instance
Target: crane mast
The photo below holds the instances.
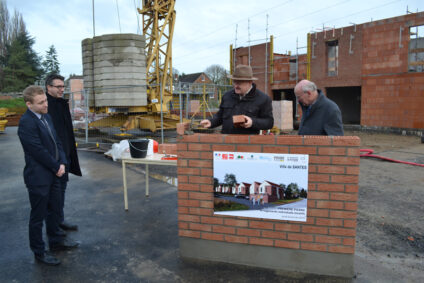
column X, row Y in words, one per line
column 158, row 29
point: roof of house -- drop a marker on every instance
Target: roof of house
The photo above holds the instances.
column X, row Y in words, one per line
column 190, row 78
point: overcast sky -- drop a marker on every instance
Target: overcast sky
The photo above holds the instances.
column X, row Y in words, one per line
column 204, row 30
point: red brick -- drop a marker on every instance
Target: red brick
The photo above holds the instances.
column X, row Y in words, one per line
column 190, row 138
column 346, row 141
column 261, row 241
column 200, row 163
column 353, row 151
column 275, row 149
column 273, row 234
column 200, row 211
column 183, row 225
column 343, row 214
column 206, row 188
column 318, row 195
column 182, row 180
column 332, row 151
column 205, row 155
column 191, row 203
column 349, row 223
column 262, row 139
column 189, row 218
column 317, row 140
column 300, row 237
column 344, row 196
column 248, row 232
column 318, row 212
column 351, row 206
column 345, row 160
column 224, row 229
column 181, row 146
column 289, row 140
column 329, row 222
column 211, row 220
column 182, row 195
column 199, row 147
column 238, row 139
column 187, row 187
column 206, row 204
column 314, row 230
column 328, row 239
column 182, row 210
column 349, row 241
column 287, row 244
column 330, row 187
column 206, row 172
column 303, row 149
column 352, row 170
column 341, row 249
column 331, row 169
column 182, row 162
column 189, row 233
column 351, row 188
column 314, row 159
column 211, row 138
column 313, row 169
column 236, row 239
column 261, row 225
column 200, row 227
column 319, row 178
column 188, row 171
column 200, row 180
column 249, row 148
column 330, row 204
column 200, row 196
column 236, row 222
column 313, row 247
column 223, row 147
column 353, row 179
column 167, row 148
column 188, row 154
column 311, row 203
column 342, row 232
column 212, row 236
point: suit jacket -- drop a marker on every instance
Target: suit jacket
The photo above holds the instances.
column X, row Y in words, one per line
column 41, row 165
column 62, row 121
column 324, row 118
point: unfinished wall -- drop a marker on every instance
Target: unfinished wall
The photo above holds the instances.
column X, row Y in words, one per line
column 325, row 244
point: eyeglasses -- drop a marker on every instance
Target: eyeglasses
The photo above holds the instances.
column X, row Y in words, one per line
column 58, row 86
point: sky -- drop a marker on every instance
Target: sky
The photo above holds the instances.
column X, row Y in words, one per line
column 204, row 30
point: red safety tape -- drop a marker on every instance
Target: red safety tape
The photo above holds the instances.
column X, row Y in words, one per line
column 369, row 153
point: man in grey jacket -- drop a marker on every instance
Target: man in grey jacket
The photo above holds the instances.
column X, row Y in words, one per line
column 320, row 115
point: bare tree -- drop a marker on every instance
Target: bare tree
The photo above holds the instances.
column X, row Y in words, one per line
column 217, row 74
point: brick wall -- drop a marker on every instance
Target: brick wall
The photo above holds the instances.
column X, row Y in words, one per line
column 332, row 195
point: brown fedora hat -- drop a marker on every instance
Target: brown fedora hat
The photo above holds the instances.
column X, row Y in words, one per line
column 243, row 73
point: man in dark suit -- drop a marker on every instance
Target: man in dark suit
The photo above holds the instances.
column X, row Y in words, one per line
column 62, row 121
column 44, row 165
column 320, row 115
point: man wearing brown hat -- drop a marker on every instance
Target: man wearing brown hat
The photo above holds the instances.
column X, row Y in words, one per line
column 245, row 101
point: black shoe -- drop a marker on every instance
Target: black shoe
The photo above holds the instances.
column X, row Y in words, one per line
column 64, row 246
column 61, row 233
column 68, row 226
column 47, row 259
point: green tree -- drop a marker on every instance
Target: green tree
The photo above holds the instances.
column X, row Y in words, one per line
column 50, row 63
column 230, row 179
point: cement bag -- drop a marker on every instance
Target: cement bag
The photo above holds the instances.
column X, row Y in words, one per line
column 118, row 149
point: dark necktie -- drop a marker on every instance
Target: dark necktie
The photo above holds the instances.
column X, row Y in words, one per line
column 51, row 135
column 307, row 111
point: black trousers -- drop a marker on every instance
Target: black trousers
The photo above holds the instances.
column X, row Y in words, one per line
column 63, row 184
column 45, row 206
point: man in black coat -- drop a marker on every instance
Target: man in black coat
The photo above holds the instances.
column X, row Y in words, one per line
column 59, row 111
column 244, row 99
column 320, row 115
column 44, row 165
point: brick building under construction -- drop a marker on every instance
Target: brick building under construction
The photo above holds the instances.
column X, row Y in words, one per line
column 373, row 71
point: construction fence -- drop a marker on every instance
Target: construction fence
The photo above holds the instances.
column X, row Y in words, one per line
column 105, row 125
